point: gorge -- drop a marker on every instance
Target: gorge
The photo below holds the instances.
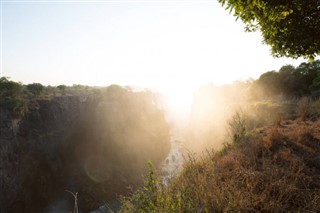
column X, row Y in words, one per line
column 97, row 144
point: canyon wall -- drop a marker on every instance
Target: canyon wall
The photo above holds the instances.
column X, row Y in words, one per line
column 96, row 144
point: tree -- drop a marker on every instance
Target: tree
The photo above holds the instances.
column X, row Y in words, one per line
column 315, row 68
column 9, row 88
column 308, row 72
column 291, row 28
column 289, row 80
column 11, row 95
column 62, row 88
column 35, row 88
column 270, row 82
column 315, row 86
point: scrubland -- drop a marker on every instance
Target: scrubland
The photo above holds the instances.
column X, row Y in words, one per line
column 260, row 168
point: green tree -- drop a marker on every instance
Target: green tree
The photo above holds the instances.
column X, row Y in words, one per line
column 9, row 88
column 308, row 72
column 291, row 28
column 293, row 82
column 315, row 67
column 35, row 88
column 62, row 88
column 11, row 95
column 315, row 86
column 270, row 82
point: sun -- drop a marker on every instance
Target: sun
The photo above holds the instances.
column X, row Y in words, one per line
column 178, row 102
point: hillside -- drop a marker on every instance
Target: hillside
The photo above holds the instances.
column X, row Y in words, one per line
column 274, row 169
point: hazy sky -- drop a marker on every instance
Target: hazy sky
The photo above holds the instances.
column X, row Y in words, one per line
column 168, row 45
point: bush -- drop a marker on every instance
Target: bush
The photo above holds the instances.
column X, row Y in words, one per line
column 10, row 88
column 11, row 95
column 237, row 127
column 14, row 104
column 147, row 199
column 304, row 107
column 63, row 89
column 35, row 88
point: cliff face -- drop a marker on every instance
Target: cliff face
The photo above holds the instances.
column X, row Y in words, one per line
column 95, row 145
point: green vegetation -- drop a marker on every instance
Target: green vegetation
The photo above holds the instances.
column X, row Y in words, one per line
column 35, row 88
column 289, row 82
column 14, row 96
column 62, row 88
column 291, row 28
column 11, row 95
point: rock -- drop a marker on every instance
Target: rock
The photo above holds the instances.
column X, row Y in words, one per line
column 91, row 145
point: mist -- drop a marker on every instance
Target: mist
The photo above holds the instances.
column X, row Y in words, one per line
column 97, row 141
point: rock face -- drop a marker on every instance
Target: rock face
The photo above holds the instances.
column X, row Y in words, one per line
column 96, row 145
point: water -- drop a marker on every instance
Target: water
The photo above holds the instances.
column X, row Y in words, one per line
column 173, row 163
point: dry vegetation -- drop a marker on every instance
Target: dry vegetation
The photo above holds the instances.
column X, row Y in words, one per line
column 270, row 162
column 274, row 169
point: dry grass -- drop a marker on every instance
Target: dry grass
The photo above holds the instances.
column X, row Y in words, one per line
column 277, row 170
column 304, row 107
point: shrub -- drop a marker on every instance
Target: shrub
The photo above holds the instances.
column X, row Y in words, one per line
column 304, row 107
column 14, row 104
column 147, row 199
column 35, row 88
column 10, row 88
column 237, row 127
column 63, row 89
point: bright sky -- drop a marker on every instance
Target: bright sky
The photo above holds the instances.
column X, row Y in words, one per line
column 167, row 45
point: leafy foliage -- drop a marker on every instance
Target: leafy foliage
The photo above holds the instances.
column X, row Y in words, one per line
column 11, row 95
column 291, row 28
column 9, row 88
column 148, row 198
column 62, row 88
column 289, row 81
column 35, row 88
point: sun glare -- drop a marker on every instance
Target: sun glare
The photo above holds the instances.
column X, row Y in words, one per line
column 180, row 94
